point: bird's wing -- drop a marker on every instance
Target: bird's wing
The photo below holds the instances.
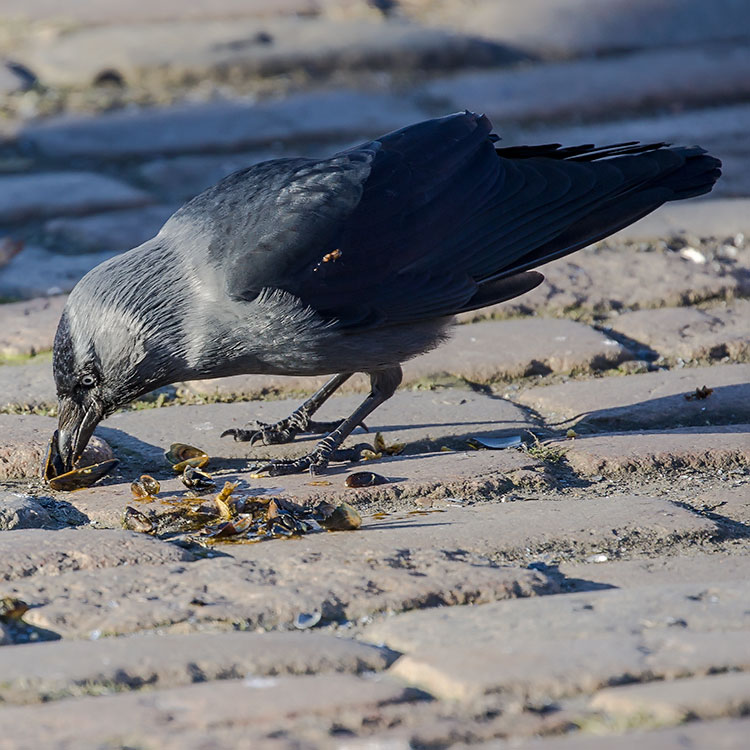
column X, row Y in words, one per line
column 426, row 219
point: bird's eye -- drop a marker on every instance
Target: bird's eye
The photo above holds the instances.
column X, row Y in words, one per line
column 88, row 381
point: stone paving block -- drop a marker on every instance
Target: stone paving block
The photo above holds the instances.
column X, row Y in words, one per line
column 30, row 196
column 481, row 353
column 557, row 646
column 229, row 50
column 18, row 511
column 727, row 501
column 712, row 217
column 112, row 231
column 29, row 327
column 689, row 333
column 594, row 87
column 182, row 177
column 28, row 552
column 573, row 28
column 110, row 11
column 435, row 418
column 615, row 278
column 36, row 272
column 699, row 448
column 27, row 384
column 74, row 668
column 653, row 400
column 397, row 561
column 723, row 734
column 252, row 704
column 222, row 126
column 628, row 574
column 674, row 702
column 23, row 445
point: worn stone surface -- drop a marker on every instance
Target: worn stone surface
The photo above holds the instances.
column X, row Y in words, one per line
column 627, row 574
column 36, row 272
column 29, row 327
column 724, row 734
column 27, row 384
column 558, row 646
column 389, row 565
column 612, row 278
column 698, row 448
column 229, row 50
column 70, row 668
column 182, row 177
column 690, row 333
column 18, row 511
column 595, row 87
column 436, row 418
column 726, row 501
column 711, row 217
column 112, row 231
column 26, row 196
column 250, row 704
column 480, row 353
column 221, row 125
column 23, row 444
column 109, row 11
column 30, row 552
column 652, row 400
column 673, row 702
column 589, row 27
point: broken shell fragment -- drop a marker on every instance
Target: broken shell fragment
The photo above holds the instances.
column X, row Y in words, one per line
column 79, row 476
column 195, row 479
column 343, row 518
column 181, row 455
column 222, row 500
column 145, row 487
column 305, row 620
column 135, row 520
column 76, row 479
column 364, row 479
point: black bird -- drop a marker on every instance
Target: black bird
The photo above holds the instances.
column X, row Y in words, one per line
column 353, row 263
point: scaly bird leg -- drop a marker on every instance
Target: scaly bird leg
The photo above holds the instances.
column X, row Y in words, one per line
column 383, row 386
column 298, row 421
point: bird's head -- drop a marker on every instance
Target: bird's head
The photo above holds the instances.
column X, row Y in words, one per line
column 109, row 349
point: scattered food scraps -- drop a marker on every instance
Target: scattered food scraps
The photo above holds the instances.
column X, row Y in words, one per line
column 197, row 480
column 699, row 394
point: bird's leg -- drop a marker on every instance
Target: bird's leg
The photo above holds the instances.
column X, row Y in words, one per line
column 298, row 421
column 383, row 386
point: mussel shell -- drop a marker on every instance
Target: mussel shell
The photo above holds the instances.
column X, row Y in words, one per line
column 195, row 479
column 82, row 477
column 343, row 518
column 197, row 463
column 52, row 465
column 135, row 520
column 150, row 484
column 138, row 490
column 179, row 453
column 364, row 479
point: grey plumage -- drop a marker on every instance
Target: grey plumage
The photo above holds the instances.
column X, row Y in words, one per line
column 353, row 263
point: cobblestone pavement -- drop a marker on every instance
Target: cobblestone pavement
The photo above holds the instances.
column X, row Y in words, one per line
column 586, row 587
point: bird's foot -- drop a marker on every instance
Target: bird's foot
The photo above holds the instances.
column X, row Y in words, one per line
column 315, row 462
column 283, row 431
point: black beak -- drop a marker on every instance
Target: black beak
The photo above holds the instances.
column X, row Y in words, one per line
column 76, row 424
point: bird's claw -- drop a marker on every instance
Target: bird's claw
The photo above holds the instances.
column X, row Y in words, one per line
column 283, row 431
column 315, row 462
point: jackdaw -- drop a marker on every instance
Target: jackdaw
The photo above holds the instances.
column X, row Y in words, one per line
column 354, row 263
